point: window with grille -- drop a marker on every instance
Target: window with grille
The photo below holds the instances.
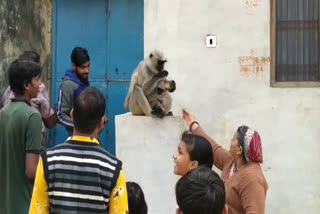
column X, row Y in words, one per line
column 295, row 43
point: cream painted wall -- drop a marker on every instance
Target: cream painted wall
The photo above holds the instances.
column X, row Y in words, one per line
column 147, row 157
column 210, row 83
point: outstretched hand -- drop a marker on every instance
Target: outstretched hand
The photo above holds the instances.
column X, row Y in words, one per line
column 188, row 116
column 42, row 102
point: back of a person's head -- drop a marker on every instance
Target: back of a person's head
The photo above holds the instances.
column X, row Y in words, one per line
column 89, row 108
column 137, row 202
column 200, row 191
column 21, row 73
column 79, row 56
column 31, row 56
column 199, row 148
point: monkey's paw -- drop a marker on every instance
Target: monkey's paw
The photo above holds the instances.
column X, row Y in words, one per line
column 162, row 74
column 172, row 86
column 158, row 112
column 160, row 91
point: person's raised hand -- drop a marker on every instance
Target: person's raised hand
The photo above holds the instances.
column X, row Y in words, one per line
column 188, row 116
column 42, row 102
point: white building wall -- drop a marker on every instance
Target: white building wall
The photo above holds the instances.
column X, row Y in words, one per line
column 145, row 146
column 224, row 91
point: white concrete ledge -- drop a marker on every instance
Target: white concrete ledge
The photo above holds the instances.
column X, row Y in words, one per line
column 145, row 145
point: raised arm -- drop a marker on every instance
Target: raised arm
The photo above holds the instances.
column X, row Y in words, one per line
column 150, row 85
column 220, row 155
column 42, row 103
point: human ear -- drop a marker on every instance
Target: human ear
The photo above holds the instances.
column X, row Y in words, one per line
column 194, row 165
column 74, row 66
column 101, row 125
column 26, row 85
column 240, row 150
column 102, row 122
column 178, row 211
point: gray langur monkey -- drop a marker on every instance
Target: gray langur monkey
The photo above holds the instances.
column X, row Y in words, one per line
column 143, row 84
column 157, row 93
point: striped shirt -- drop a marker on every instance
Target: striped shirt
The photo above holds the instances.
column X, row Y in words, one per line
column 80, row 177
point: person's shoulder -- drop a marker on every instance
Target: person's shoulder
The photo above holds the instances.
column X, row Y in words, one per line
column 27, row 108
column 253, row 173
column 21, row 111
column 105, row 152
column 24, row 106
column 109, row 156
column 33, row 112
column 56, row 147
column 68, row 84
column 68, row 80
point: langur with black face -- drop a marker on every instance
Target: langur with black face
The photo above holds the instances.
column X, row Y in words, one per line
column 144, row 84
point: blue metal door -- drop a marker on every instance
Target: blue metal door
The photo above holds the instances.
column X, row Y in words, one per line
column 112, row 32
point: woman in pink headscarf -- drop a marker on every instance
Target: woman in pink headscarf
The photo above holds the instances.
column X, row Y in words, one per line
column 245, row 185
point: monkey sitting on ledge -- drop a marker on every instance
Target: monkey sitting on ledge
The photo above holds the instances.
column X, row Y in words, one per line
column 148, row 92
column 157, row 94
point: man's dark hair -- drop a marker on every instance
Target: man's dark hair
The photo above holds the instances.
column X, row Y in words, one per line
column 88, row 110
column 21, row 73
column 200, row 191
column 31, row 56
column 79, row 56
column 137, row 203
column 199, row 149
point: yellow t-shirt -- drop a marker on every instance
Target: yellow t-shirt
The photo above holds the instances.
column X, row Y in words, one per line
column 118, row 201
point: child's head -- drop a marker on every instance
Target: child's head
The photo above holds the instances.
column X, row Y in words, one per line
column 137, row 203
column 200, row 191
column 193, row 151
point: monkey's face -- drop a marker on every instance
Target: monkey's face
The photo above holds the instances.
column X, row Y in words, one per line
column 160, row 64
column 157, row 60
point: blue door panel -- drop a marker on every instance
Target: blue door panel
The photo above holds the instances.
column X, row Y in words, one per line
column 82, row 23
column 117, row 91
column 126, row 38
column 112, row 32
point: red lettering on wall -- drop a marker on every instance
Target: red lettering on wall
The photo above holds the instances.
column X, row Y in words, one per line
column 253, row 64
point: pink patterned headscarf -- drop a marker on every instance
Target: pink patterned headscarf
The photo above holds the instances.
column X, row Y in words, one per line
column 252, row 147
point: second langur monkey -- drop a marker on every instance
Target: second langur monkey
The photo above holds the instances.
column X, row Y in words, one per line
column 157, row 93
column 136, row 100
